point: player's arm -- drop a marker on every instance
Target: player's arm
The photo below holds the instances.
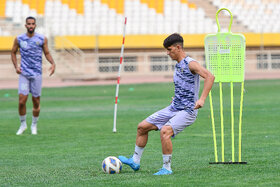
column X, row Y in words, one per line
column 49, row 56
column 14, row 56
column 196, row 68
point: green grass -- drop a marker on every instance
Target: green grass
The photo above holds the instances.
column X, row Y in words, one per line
column 75, row 135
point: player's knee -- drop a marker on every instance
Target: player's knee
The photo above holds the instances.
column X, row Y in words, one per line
column 22, row 103
column 36, row 108
column 36, row 103
column 142, row 128
column 166, row 132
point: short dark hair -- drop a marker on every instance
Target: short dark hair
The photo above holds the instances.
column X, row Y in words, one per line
column 30, row 17
column 172, row 39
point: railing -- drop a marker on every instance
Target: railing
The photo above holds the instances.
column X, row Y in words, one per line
column 71, row 57
column 69, row 60
column 149, row 64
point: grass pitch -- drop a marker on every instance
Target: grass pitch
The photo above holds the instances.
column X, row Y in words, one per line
column 75, row 135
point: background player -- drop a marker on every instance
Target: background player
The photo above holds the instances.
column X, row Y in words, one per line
column 31, row 45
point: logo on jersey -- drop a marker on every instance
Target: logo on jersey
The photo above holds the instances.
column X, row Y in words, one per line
column 23, row 44
column 38, row 43
column 180, row 69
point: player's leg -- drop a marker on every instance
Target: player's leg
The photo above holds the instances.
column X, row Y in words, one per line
column 142, row 133
column 35, row 88
column 165, row 136
column 22, row 113
column 22, row 104
column 36, row 106
column 141, row 140
column 175, row 125
column 166, row 143
column 166, row 133
column 36, row 112
column 153, row 122
column 23, row 91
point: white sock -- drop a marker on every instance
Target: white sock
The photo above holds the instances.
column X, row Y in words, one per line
column 23, row 120
column 34, row 120
column 167, row 161
column 137, row 154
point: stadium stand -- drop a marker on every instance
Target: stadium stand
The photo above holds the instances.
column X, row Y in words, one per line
column 257, row 15
column 147, row 16
column 89, row 32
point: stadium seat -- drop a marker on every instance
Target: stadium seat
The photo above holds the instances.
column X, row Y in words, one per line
column 143, row 16
column 9, row 9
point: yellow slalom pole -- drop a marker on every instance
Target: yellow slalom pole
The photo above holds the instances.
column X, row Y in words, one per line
column 232, row 121
column 222, row 122
column 240, row 119
column 213, row 127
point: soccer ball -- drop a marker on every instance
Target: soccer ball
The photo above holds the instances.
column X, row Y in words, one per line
column 111, row 165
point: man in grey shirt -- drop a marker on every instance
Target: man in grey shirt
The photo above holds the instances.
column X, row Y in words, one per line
column 183, row 110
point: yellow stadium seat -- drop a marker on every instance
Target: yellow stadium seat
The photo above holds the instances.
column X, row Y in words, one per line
column 33, row 4
column 155, row 4
column 72, row 4
column 112, row 4
column 105, row 1
column 192, row 5
column 2, row 8
column 41, row 7
column 159, row 7
column 25, row 2
column 80, row 7
column 65, row 2
column 120, row 6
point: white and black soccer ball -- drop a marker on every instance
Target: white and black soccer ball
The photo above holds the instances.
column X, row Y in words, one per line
column 111, row 165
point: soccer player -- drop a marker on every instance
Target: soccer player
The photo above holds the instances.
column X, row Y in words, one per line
column 31, row 45
column 181, row 113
